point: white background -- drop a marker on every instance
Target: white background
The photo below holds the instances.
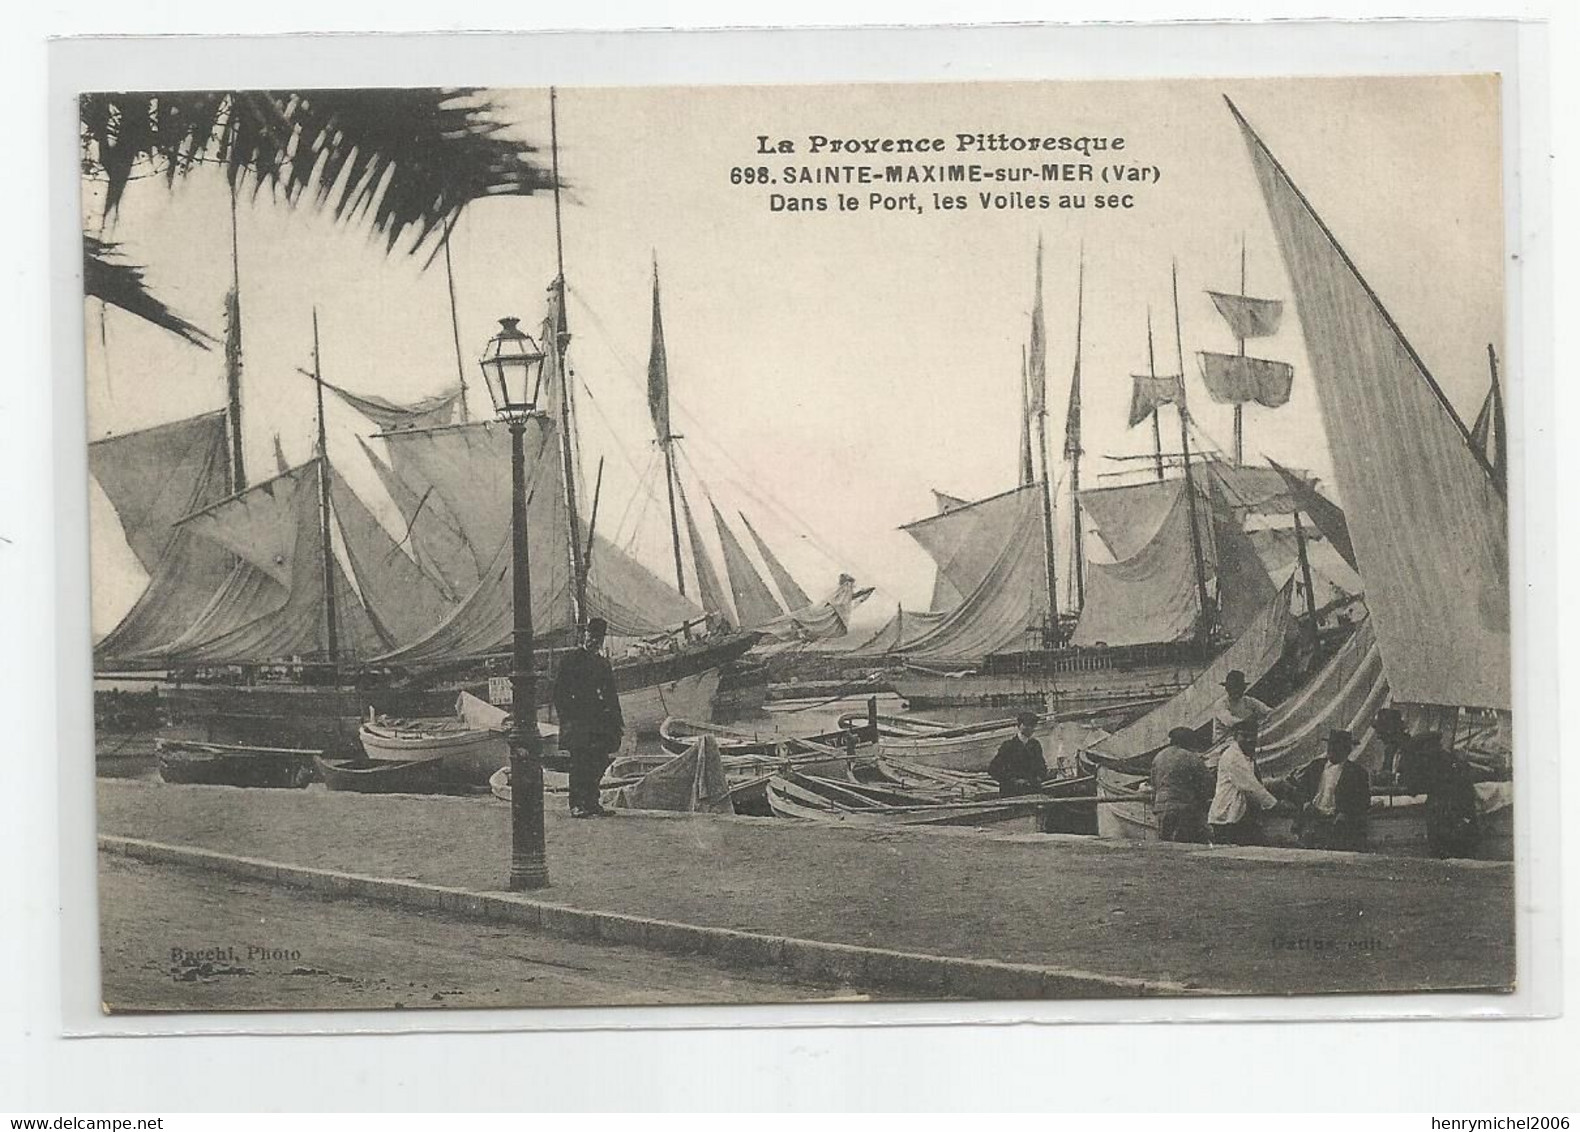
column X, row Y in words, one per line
column 1440, row 1067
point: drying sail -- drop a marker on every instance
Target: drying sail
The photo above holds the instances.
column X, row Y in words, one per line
column 272, row 606
column 754, row 601
column 1150, row 391
column 153, row 478
column 1126, row 518
column 794, row 596
column 1233, row 379
column 658, row 371
column 1254, row 653
column 454, row 470
column 828, row 620
column 710, row 595
column 1009, row 599
column 966, row 540
column 1249, row 317
column 1429, row 523
column 1149, row 596
column 429, row 412
column 1326, row 514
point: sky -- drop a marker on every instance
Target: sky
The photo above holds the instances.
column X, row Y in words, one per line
column 829, row 369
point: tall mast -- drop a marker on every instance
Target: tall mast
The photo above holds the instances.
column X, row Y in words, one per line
column 455, row 321
column 1239, row 406
column 1157, row 431
column 1305, row 575
column 1204, row 613
column 1072, row 439
column 562, row 338
column 1040, row 399
column 326, row 549
column 238, row 471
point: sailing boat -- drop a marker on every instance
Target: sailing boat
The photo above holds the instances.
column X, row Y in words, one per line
column 1421, row 488
column 284, row 610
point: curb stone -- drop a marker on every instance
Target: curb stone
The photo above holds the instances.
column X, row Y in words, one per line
column 812, row 960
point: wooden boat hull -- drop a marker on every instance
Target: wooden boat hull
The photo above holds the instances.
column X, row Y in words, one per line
column 211, row 764
column 806, row 798
column 1396, row 825
column 676, row 734
column 690, row 696
column 470, row 756
column 363, row 776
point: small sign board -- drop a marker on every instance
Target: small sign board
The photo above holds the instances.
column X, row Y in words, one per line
column 499, row 691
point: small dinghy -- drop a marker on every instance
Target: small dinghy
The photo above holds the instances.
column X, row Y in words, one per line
column 413, row 776
column 472, row 744
column 224, row 764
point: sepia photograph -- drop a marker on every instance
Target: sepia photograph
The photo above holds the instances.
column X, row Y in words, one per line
column 960, row 541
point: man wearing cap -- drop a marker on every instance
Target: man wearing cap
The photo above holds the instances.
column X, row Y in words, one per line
column 588, row 706
column 1019, row 767
column 1239, row 796
column 1334, row 795
column 1236, row 706
column 1182, row 788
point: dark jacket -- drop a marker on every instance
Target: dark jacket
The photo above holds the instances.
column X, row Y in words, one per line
column 1018, row 762
column 587, row 703
column 1353, row 798
column 1180, row 779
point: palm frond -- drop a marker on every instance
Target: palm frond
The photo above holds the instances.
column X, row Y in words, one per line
column 106, row 276
column 404, row 161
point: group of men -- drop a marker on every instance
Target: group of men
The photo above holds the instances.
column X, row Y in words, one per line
column 1329, row 797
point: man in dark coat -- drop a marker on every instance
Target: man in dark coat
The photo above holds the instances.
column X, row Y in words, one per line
column 1389, row 728
column 1019, row 767
column 1453, row 822
column 1335, row 796
column 591, row 725
column 1182, row 788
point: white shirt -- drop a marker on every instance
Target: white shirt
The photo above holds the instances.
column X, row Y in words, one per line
column 1229, row 712
column 1238, row 787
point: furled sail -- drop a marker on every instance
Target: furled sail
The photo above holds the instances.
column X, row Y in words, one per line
column 153, row 478
column 794, row 596
column 1037, row 349
column 1248, row 317
column 1429, row 523
column 1233, row 379
column 754, row 601
column 1344, row 693
column 1149, row 391
column 658, row 370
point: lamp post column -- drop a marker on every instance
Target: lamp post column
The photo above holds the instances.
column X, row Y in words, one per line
column 528, row 863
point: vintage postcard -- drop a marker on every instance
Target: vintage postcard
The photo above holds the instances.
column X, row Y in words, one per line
column 973, row 541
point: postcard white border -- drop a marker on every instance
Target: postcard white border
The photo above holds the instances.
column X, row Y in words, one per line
column 68, row 956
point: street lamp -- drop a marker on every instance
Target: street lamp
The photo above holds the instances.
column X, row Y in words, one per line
column 513, row 370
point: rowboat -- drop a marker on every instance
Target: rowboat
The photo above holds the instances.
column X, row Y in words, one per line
column 677, row 734
column 222, row 764
column 472, row 744
column 413, row 776
column 971, row 747
column 808, row 797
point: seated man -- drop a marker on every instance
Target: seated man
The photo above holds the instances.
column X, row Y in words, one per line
column 1018, row 767
column 1182, row 788
column 1453, row 820
column 1335, row 796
